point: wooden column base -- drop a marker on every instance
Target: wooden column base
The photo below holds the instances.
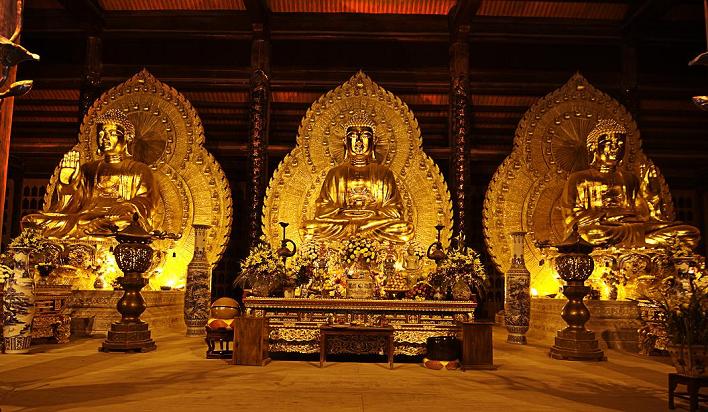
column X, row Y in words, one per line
column 577, row 345
column 128, row 337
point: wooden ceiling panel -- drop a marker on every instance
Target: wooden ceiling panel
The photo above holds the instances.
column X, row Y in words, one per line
column 362, row 6
column 216, row 96
column 195, row 5
column 554, row 9
column 42, row 119
column 495, row 100
column 51, row 94
column 43, row 4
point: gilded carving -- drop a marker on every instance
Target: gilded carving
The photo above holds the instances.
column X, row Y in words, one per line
column 550, row 145
column 296, row 185
column 169, row 139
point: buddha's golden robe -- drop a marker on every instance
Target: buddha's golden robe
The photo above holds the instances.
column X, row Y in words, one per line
column 616, row 207
column 362, row 200
column 103, row 194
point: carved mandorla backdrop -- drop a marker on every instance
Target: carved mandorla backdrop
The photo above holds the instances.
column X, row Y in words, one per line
column 193, row 187
column 296, row 184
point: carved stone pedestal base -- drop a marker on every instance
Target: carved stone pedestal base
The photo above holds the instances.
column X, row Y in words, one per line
column 515, row 337
column 128, row 337
column 577, row 345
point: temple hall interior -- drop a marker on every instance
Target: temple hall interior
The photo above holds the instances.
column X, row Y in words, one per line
column 353, row 205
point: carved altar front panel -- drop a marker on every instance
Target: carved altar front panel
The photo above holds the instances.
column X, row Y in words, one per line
column 295, row 323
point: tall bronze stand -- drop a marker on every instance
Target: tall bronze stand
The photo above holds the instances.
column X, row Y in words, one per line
column 575, row 265
column 133, row 256
column 130, row 333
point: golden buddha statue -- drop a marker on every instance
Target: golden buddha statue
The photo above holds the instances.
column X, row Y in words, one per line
column 102, row 193
column 613, row 206
column 359, row 196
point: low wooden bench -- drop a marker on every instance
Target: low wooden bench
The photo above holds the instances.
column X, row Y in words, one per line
column 369, row 331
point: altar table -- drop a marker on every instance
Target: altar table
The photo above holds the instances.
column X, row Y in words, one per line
column 295, row 322
column 356, row 332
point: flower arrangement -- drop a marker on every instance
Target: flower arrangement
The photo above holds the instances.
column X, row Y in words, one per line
column 301, row 267
column 680, row 301
column 462, row 263
column 357, row 248
column 262, row 269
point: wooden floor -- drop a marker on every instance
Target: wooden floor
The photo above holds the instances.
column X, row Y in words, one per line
column 177, row 377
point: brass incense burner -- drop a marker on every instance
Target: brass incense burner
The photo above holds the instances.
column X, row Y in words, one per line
column 575, row 265
column 133, row 256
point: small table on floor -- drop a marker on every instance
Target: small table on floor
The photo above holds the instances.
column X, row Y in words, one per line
column 331, row 330
column 693, row 387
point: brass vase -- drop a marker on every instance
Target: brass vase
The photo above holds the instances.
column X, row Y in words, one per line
column 197, row 294
column 517, row 302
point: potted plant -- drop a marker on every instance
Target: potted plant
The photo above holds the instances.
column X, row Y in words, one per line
column 680, row 299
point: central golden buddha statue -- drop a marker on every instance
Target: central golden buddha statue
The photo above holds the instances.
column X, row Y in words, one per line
column 101, row 193
column 359, row 196
column 613, row 206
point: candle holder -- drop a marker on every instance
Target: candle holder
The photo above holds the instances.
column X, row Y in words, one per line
column 284, row 251
column 575, row 265
column 436, row 252
column 133, row 256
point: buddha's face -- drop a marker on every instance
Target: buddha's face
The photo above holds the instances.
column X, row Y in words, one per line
column 610, row 149
column 360, row 140
column 111, row 138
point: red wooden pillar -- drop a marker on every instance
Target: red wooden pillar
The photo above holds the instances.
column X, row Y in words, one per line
column 459, row 119
column 91, row 76
column 259, row 125
column 8, row 17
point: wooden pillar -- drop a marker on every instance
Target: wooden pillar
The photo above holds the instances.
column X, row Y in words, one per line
column 259, row 122
column 459, row 124
column 6, row 107
column 91, row 76
column 8, row 19
column 629, row 78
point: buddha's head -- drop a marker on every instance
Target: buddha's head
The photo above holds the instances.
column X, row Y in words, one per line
column 359, row 140
column 115, row 133
column 605, row 144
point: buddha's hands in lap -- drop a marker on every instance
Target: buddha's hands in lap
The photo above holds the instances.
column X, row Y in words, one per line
column 358, row 214
column 69, row 167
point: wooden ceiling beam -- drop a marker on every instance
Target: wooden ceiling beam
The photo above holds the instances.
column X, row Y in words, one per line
column 88, row 13
column 643, row 13
column 258, row 12
column 461, row 13
column 337, row 27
